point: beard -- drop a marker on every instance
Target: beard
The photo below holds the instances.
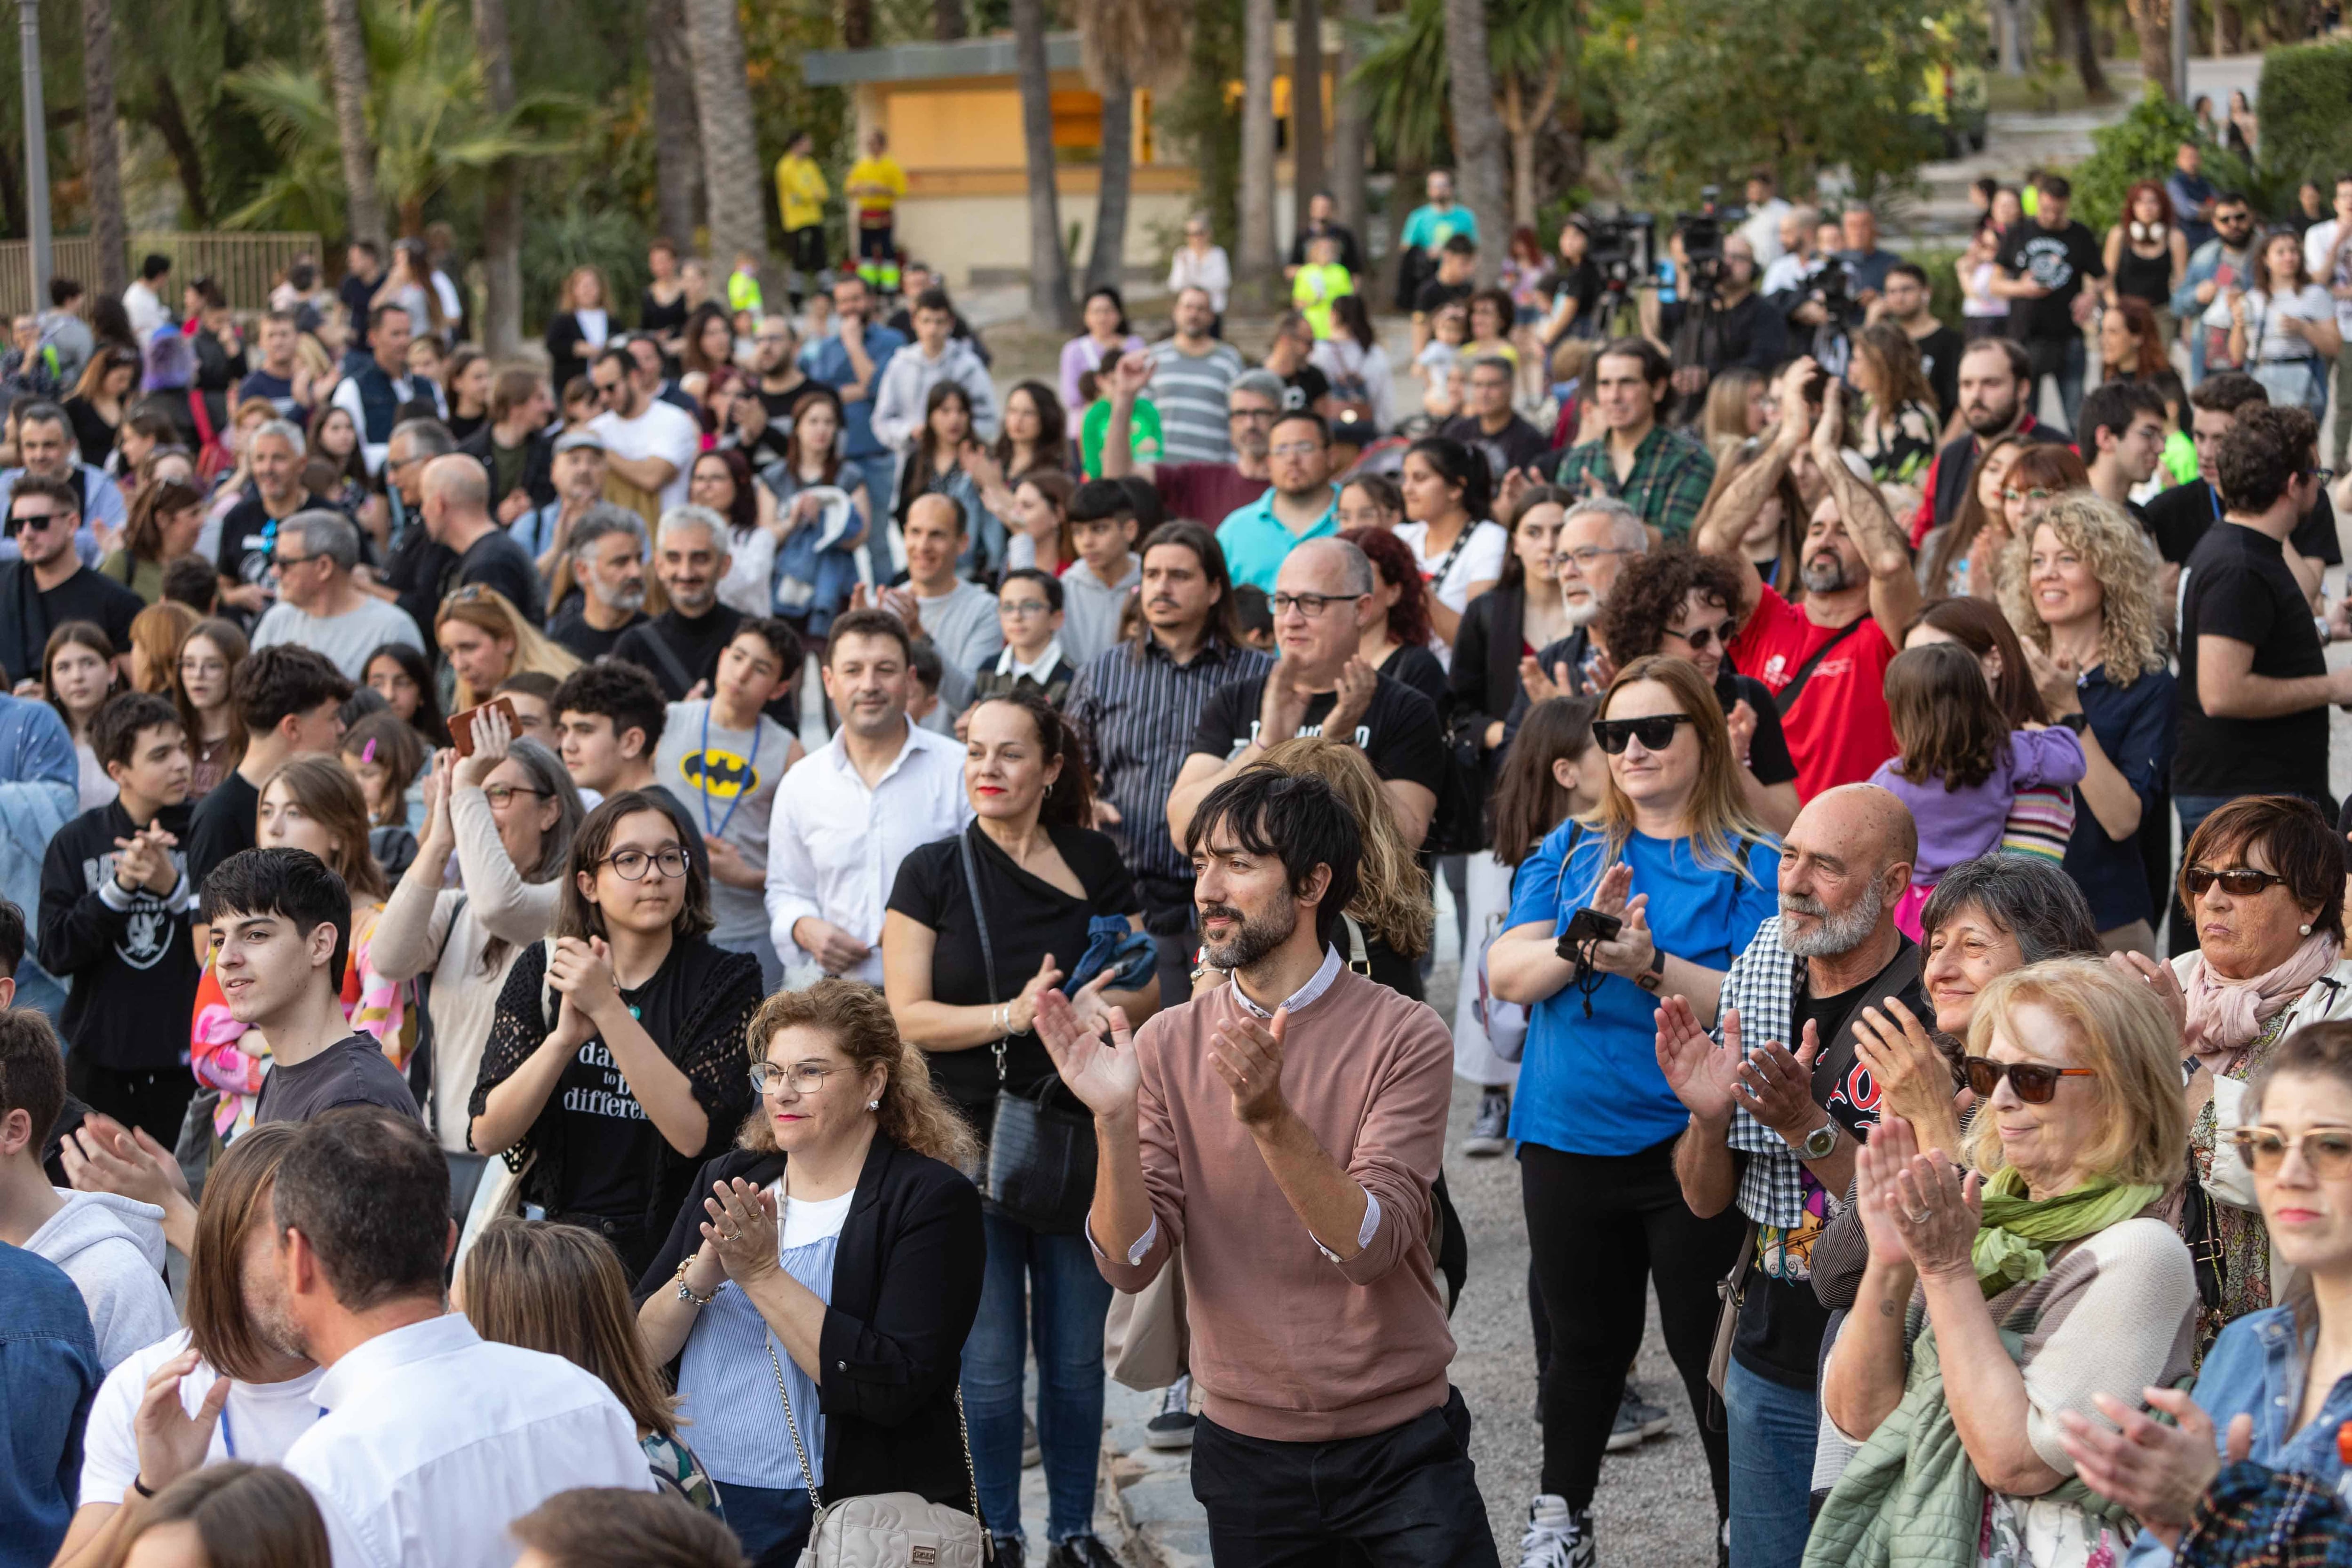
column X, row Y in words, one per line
column 1583, row 614
column 628, row 601
column 1256, row 939
column 1838, row 932
column 1826, row 574
column 1991, row 421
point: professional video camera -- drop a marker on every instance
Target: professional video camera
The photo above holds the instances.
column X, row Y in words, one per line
column 1701, row 234
column 1621, row 248
column 1832, row 287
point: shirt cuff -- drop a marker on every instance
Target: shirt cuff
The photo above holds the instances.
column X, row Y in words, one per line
column 1364, row 1232
column 1135, row 1252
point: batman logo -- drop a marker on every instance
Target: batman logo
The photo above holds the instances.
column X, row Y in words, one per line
column 721, row 776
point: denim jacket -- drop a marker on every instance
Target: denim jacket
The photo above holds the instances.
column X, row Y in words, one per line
column 48, row 1374
column 2256, row 1368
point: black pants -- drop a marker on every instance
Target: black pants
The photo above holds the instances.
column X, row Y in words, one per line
column 155, row 1103
column 1407, row 1496
column 635, row 1241
column 1599, row 1228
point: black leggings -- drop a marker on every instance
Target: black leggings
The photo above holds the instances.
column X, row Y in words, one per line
column 1598, row 1227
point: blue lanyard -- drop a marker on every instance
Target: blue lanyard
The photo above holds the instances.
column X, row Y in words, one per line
column 228, row 1434
column 742, row 787
column 2213, row 496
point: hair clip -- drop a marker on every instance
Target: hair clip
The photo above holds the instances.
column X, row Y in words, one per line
column 367, row 753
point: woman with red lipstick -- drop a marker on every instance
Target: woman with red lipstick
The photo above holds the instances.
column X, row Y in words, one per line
column 1047, row 881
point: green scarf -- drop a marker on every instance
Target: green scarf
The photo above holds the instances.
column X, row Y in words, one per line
column 2013, row 1245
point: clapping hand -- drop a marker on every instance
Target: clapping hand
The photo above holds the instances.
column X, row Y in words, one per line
column 1776, row 1084
column 2158, row 1472
column 1247, row 1055
column 1914, row 1079
column 1933, row 1208
column 1702, row 1074
column 1103, row 1076
column 582, row 973
column 1021, row 1016
column 741, row 1229
column 1354, row 696
column 1874, row 1164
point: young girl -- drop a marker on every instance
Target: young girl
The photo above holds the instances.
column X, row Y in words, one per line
column 815, row 560
column 1961, row 764
column 1448, row 330
column 397, row 673
column 384, row 756
column 934, row 467
column 1040, row 510
column 77, row 673
column 207, row 663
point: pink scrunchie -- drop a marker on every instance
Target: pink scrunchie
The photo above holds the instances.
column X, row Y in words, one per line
column 2225, row 1015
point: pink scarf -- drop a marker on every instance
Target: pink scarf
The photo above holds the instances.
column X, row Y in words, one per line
column 2225, row 1015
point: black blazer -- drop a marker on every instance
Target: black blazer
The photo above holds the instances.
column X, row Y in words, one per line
column 906, row 1289
column 1485, row 670
column 565, row 339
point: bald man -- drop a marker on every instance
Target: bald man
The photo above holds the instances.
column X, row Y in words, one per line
column 456, row 508
column 1774, row 1130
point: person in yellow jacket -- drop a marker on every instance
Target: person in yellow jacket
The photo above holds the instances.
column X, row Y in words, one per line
column 801, row 193
column 874, row 187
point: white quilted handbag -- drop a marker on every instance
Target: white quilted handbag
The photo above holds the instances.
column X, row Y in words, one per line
column 888, row 1529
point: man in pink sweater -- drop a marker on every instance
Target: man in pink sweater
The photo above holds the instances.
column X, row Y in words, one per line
column 1283, row 1131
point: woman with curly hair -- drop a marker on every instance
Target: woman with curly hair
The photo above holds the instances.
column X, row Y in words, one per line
column 2085, row 592
column 1395, row 641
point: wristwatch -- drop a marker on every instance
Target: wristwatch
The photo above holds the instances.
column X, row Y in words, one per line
column 1819, row 1143
column 2078, row 721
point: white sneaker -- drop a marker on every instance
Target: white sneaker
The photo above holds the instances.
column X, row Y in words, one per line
column 1556, row 1538
column 1490, row 1132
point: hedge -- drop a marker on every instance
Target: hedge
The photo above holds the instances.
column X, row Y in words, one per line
column 2306, row 112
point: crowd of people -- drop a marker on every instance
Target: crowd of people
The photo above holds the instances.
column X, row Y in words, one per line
column 440, row 979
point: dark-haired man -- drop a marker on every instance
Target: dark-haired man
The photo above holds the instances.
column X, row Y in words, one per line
column 1995, row 385
column 2044, row 263
column 1662, row 477
column 1456, row 264
column 1294, row 1127
column 609, row 719
column 513, row 446
column 2177, row 518
column 288, row 699
column 48, row 585
column 433, row 1441
column 2122, row 432
column 958, row 615
column 1301, row 503
column 1106, row 520
column 935, row 356
column 2222, row 264
column 1488, row 427
column 47, row 446
column 375, row 390
column 649, row 445
column 1904, row 302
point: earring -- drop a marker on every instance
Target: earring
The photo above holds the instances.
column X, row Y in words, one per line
column 2306, row 928
column 876, row 1105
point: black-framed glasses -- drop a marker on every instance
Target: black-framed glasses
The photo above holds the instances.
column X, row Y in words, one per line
column 1584, row 555
column 631, row 865
column 280, row 559
column 804, row 1077
column 2323, row 476
column 1312, row 605
column 1698, row 637
column 501, row 794
column 2327, row 1150
column 2238, row 881
column 2035, row 1082
column 1655, row 731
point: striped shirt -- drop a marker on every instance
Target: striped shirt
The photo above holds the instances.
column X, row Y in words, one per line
column 1141, row 713
column 1190, row 390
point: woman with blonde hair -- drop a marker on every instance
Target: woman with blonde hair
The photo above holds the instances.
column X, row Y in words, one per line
column 559, row 1289
column 1737, row 409
column 488, row 640
column 843, row 1209
column 2040, row 1281
column 156, row 634
column 1392, row 910
column 165, row 519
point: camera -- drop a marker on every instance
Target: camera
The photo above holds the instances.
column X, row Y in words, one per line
column 1621, row 248
column 1702, row 237
column 1833, row 289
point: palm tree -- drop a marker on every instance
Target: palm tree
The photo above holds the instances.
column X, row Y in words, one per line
column 1257, row 264
column 678, row 136
column 1350, row 132
column 106, row 224
column 858, row 24
column 1477, row 129
column 347, row 54
column 1306, row 106
column 948, row 20
column 731, row 142
column 1124, row 45
column 502, row 203
column 1049, row 264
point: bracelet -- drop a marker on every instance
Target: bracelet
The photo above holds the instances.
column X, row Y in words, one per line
column 684, row 1293
column 139, row 1484
column 1002, row 1018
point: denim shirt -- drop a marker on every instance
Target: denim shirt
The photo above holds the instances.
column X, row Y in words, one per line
column 2256, row 1368
column 48, row 1374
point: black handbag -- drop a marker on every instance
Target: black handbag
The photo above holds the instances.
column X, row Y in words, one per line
column 1040, row 1164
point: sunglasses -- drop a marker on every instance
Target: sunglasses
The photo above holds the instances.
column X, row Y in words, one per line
column 1655, row 732
column 2327, row 1150
column 2238, row 881
column 2035, row 1084
column 1698, row 637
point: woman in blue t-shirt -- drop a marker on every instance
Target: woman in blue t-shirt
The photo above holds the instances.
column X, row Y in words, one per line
column 1675, row 854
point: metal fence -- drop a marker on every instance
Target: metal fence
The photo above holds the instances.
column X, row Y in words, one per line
column 245, row 265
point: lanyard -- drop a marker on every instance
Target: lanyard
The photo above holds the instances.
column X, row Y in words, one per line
column 742, row 785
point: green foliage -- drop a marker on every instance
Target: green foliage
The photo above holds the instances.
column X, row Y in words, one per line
column 1402, row 76
column 2140, row 146
column 2306, row 99
column 575, row 229
column 1719, row 85
column 1196, row 117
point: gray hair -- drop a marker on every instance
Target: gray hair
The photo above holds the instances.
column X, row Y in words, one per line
column 329, row 533
column 1627, row 530
column 285, row 430
column 1262, row 382
column 548, row 777
column 2032, row 899
column 1489, row 361
column 427, row 437
column 690, row 515
column 600, row 522
column 1357, row 573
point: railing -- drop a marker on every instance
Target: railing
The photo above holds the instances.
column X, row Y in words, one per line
column 246, row 266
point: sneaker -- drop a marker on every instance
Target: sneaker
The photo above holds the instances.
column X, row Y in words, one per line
column 1636, row 1419
column 1556, row 1538
column 1490, row 1132
column 1032, row 1456
column 1081, row 1551
column 1172, row 1427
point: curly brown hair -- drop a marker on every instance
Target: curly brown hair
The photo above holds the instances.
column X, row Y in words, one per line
column 1651, row 590
column 1393, row 558
column 912, row 1114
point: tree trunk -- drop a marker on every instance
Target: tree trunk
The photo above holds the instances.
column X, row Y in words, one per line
column 678, row 136
column 187, row 159
column 2152, row 24
column 730, row 146
column 948, row 20
column 503, row 201
column 347, row 56
column 1348, row 130
column 1106, row 265
column 2087, row 51
column 1477, row 130
column 107, row 228
column 1524, row 118
column 856, row 24
column 1257, row 266
column 1049, row 264
column 1306, row 106
column 2229, row 31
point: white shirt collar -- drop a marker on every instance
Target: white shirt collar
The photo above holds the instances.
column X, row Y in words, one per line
column 1006, row 664
column 838, row 750
column 1306, row 994
column 388, row 1353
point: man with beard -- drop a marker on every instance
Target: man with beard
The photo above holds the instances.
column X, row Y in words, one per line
column 47, row 448
column 2222, row 263
column 608, row 563
column 1996, row 381
column 1825, row 660
column 680, row 646
column 1292, row 1130
column 577, row 473
column 1636, row 458
column 249, row 534
column 1201, row 491
column 1775, row 1129
column 764, row 420
column 1302, row 503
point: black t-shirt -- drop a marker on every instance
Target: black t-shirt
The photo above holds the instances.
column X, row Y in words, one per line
column 222, row 824
column 1584, row 282
column 355, row 292
column 248, row 533
column 609, row 1142
column 677, row 651
column 2058, row 261
column 1768, row 750
column 2177, row 518
column 1434, row 297
column 89, row 595
column 497, row 561
column 1305, row 387
column 1399, row 733
column 1418, row 667
column 351, row 1071
column 1939, row 356
column 570, row 628
column 1027, row 919
column 1518, row 444
column 2237, row 584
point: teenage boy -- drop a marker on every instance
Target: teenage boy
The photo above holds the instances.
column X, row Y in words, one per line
column 289, row 697
column 1104, row 521
column 2122, row 430
column 115, row 896
column 1029, row 611
column 725, row 757
column 609, row 719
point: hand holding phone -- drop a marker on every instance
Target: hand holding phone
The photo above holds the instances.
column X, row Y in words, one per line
column 461, row 724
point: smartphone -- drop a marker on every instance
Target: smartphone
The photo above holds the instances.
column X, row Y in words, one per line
column 461, row 724
column 1585, row 928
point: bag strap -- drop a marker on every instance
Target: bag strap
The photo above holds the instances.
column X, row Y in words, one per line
column 1461, row 542
column 671, row 664
column 816, row 1503
column 1788, row 693
column 1357, row 961
column 987, row 948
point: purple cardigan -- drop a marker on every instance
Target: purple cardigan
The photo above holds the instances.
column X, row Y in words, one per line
column 1956, row 825
column 1079, row 356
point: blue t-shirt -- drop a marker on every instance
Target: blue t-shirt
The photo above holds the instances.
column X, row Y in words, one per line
column 1592, row 1086
column 830, row 365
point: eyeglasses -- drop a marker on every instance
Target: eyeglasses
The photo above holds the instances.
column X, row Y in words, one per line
column 2321, row 475
column 631, row 865
column 1697, row 638
column 33, row 522
column 1253, row 414
column 1024, row 607
column 280, row 560
column 500, row 795
column 2238, row 881
column 1295, row 450
column 805, row 1079
column 2034, row 1082
column 1312, row 605
column 1655, row 731
column 1585, row 555
column 2327, row 1150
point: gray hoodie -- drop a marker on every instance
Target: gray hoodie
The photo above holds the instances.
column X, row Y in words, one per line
column 113, row 1249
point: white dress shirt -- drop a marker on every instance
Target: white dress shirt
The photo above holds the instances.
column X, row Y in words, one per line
column 433, row 1441
column 834, row 845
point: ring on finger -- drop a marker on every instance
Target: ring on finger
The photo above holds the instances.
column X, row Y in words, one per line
column 1921, row 1216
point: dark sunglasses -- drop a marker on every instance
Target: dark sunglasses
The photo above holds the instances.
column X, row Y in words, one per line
column 1655, row 732
column 1698, row 637
column 2238, row 881
column 2327, row 1150
column 2035, row 1084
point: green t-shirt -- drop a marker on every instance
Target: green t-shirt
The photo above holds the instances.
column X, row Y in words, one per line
column 1314, row 288
column 1142, row 434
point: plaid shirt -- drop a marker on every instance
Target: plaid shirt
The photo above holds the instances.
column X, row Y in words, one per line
column 2252, row 1517
column 1763, row 984
column 1666, row 485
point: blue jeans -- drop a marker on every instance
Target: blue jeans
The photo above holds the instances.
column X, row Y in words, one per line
column 880, row 474
column 771, row 1524
column 1067, row 1298
column 1773, row 1429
